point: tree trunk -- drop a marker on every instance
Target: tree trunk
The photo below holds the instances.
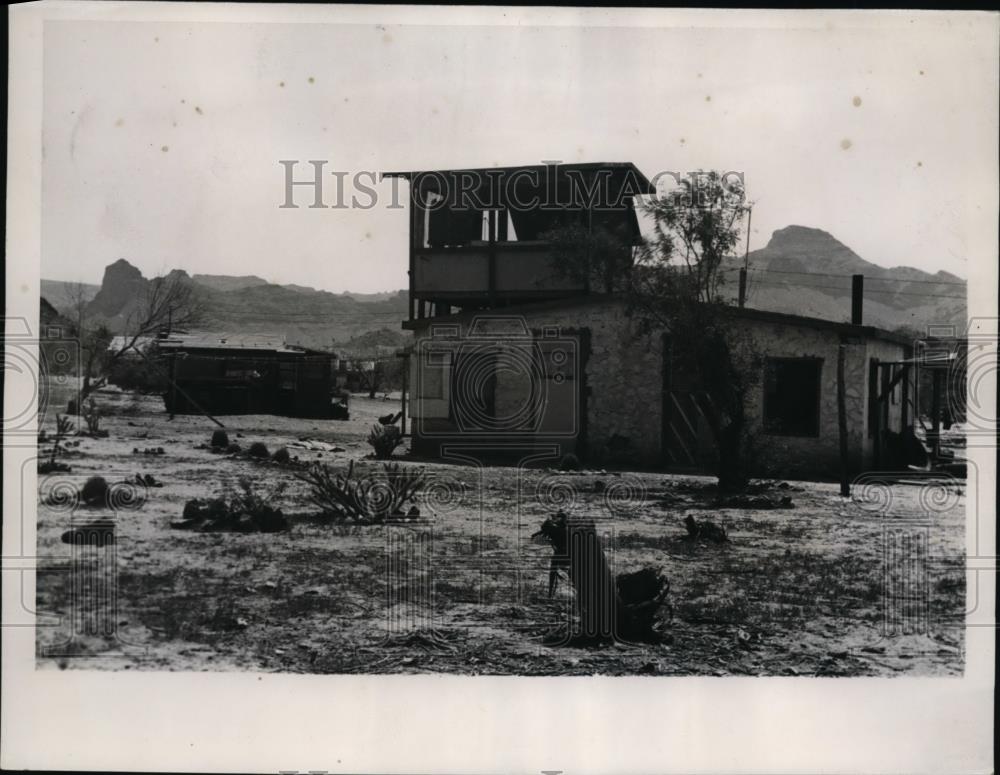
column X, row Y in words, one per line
column 732, row 467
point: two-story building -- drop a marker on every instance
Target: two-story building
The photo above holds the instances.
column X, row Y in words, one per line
column 513, row 360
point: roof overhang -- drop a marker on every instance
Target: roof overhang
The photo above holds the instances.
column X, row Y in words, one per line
column 611, row 184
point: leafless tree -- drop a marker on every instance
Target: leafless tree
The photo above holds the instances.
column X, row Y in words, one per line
column 166, row 302
column 77, row 297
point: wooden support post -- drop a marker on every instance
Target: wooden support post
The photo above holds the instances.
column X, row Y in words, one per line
column 885, row 375
column 845, row 485
column 857, row 299
column 743, row 288
column 905, row 393
column 173, row 384
column 935, row 411
column 874, row 414
column 413, row 241
column 491, row 228
column 402, row 408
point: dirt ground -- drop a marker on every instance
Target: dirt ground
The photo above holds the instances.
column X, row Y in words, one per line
column 873, row 585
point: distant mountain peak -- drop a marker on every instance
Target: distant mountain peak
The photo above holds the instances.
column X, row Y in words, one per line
column 122, row 282
column 807, row 271
column 804, row 236
column 121, row 268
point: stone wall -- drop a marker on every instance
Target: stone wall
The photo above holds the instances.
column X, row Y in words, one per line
column 796, row 456
column 621, row 386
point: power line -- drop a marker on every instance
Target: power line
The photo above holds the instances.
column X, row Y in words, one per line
column 867, row 277
column 847, row 276
column 868, row 290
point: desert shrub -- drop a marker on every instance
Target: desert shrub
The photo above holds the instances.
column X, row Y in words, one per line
column 569, row 462
column 281, row 455
column 92, row 416
column 246, row 510
column 220, row 439
column 205, row 509
column 253, row 509
column 147, row 374
column 367, row 500
column 384, row 440
column 63, row 428
column 258, row 449
column 95, row 491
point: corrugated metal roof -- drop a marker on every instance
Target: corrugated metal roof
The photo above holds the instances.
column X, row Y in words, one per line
column 228, row 341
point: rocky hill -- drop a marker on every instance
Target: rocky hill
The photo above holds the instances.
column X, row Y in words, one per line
column 251, row 305
column 801, row 271
column 379, row 343
column 61, row 294
column 222, row 282
column 808, row 272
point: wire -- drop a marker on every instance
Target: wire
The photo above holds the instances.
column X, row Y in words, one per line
column 867, row 277
column 867, row 290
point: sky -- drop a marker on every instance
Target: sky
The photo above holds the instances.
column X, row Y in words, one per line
column 162, row 140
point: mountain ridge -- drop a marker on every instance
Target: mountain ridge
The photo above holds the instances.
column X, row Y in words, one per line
column 802, row 270
column 807, row 271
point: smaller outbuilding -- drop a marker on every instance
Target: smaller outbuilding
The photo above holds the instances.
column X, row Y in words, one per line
column 221, row 373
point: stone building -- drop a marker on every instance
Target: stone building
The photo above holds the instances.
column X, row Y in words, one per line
column 575, row 376
column 510, row 360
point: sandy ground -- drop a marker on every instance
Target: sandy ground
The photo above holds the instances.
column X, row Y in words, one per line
column 873, row 585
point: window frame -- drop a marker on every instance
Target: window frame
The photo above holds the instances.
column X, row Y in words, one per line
column 817, row 363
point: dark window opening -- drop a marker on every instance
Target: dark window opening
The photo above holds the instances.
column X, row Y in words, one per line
column 791, row 396
column 534, row 224
column 454, row 228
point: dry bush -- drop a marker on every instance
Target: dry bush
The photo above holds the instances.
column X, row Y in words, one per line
column 63, row 428
column 95, row 491
column 92, row 416
column 369, row 499
column 246, row 510
column 384, row 440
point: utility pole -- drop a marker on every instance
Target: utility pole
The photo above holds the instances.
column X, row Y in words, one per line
column 746, row 252
column 845, row 483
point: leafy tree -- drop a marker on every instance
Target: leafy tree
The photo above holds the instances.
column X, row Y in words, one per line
column 677, row 284
column 673, row 282
column 597, row 257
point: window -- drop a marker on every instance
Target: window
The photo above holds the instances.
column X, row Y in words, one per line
column 791, row 396
column 55, row 332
